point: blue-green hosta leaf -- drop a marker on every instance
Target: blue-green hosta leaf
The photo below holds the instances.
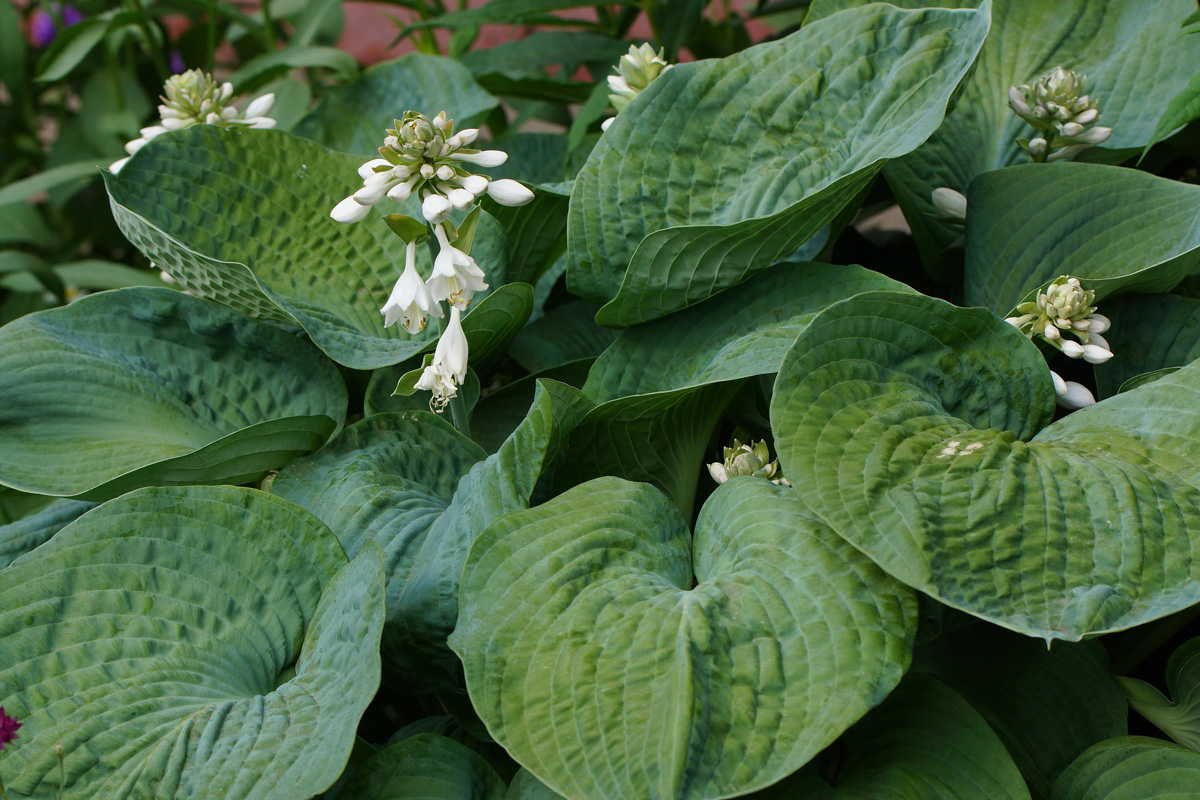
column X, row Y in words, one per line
column 188, row 642
column 1130, row 50
column 908, row 425
column 1179, row 717
column 1149, row 333
column 614, row 654
column 924, row 742
column 565, row 334
column 19, row 537
column 242, row 217
column 722, row 167
column 355, row 118
column 425, row 767
column 140, row 387
column 1047, row 705
column 1184, row 108
column 738, row 334
column 423, row 492
column 1030, row 224
column 1131, row 768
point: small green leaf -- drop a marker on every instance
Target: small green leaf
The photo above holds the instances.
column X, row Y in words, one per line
column 254, row 71
column 407, row 228
column 407, row 384
column 75, row 42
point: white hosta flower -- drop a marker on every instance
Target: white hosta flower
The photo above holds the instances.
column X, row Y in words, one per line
column 1065, row 308
column 951, row 205
column 448, row 369
column 456, row 277
column 746, row 459
column 1058, row 109
column 636, row 70
column 410, row 302
column 194, row 98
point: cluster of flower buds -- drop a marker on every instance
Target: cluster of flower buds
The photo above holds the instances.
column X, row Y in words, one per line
column 423, row 157
column 634, row 72
column 194, row 98
column 1062, row 114
column 747, row 459
column 1065, row 309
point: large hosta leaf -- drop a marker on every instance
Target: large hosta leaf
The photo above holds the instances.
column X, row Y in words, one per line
column 1131, row 51
column 425, row 767
column 19, row 537
column 615, row 655
column 924, row 743
column 138, row 387
column 354, row 118
column 1047, row 705
column 242, row 217
column 722, row 167
column 1149, row 333
column 908, row 424
column 1030, row 224
column 1131, row 768
column 423, row 492
column 188, row 642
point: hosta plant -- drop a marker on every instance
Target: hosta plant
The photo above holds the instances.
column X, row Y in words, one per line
column 810, row 418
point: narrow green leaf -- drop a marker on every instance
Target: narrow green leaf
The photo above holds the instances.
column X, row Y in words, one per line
column 75, row 42
column 545, row 49
column 252, row 72
column 51, row 179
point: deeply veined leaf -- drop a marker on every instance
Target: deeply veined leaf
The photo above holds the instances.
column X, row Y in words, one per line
column 425, row 767
column 1149, row 333
column 615, row 655
column 142, row 386
column 1028, row 225
column 186, row 642
column 242, row 217
column 354, row 118
column 908, row 425
column 1047, row 705
column 924, row 742
column 1131, row 768
column 1130, row 50
column 1179, row 716
column 421, row 490
column 722, row 167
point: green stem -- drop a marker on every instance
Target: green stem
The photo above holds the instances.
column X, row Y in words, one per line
column 156, row 54
column 268, row 26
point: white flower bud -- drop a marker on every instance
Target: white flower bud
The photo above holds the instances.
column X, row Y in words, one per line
column 1072, row 349
column 435, row 209
column 484, row 158
column 368, row 169
column 1098, row 323
column 349, row 210
column 475, row 184
column 1075, row 396
column 1088, row 116
column 1095, row 354
column 1094, row 136
column 461, row 199
column 717, row 470
column 427, row 171
column 949, row 203
column 467, row 136
column 509, row 193
column 403, row 191
column 445, row 172
column 260, row 106
column 1060, row 386
column 1052, row 333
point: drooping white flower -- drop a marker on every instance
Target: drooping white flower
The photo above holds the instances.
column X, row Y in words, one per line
column 456, row 277
column 448, row 369
column 410, row 302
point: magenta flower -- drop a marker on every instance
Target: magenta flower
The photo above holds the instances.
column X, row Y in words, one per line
column 8, row 728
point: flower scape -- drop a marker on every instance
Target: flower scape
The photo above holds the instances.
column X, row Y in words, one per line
column 639, row 401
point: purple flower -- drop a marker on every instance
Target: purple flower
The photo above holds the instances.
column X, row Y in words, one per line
column 42, row 28
column 8, row 728
column 177, row 65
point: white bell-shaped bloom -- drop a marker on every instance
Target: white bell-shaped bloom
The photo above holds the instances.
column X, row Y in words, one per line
column 456, row 277
column 410, row 302
column 509, row 193
column 448, row 369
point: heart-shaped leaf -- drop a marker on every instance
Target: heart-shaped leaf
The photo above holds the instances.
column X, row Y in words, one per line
column 423, row 492
column 1028, row 225
column 242, row 217
column 1178, row 717
column 1131, row 51
column 188, row 642
column 140, row 387
column 908, row 424
column 1047, row 705
column 353, row 118
column 425, row 766
column 722, row 167
column 615, row 655
column 1130, row 768
column 924, row 743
